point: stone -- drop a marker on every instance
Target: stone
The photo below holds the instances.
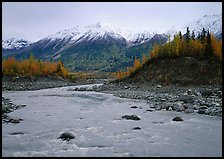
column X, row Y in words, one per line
column 178, row 107
column 158, row 107
column 149, row 110
column 15, row 120
column 17, row 133
column 201, row 111
column 198, row 94
column 208, row 111
column 158, row 122
column 126, row 87
column 189, row 91
column 67, row 136
column 186, row 99
column 206, row 92
column 189, row 111
column 162, row 100
column 189, row 106
column 130, row 117
column 203, row 107
column 136, row 128
column 177, row 118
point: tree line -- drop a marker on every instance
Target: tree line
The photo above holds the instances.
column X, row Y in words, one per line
column 33, row 67
column 204, row 46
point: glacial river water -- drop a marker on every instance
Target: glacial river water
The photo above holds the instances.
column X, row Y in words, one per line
column 95, row 120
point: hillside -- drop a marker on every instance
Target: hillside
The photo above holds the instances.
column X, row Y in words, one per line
column 181, row 71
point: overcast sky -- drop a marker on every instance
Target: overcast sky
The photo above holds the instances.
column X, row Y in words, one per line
column 35, row 20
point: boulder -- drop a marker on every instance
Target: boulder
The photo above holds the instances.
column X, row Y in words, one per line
column 149, row 110
column 206, row 92
column 136, row 128
column 67, row 136
column 177, row 118
column 130, row 117
column 189, row 111
column 134, row 107
column 186, row 99
column 201, row 111
column 178, row 107
column 15, row 120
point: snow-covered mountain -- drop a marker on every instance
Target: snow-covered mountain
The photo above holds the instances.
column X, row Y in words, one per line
column 101, row 45
column 102, row 30
column 211, row 22
column 99, row 31
column 15, row 44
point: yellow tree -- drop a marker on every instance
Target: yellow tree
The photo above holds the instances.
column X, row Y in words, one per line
column 154, row 52
column 144, row 59
column 137, row 63
column 217, row 47
column 119, row 75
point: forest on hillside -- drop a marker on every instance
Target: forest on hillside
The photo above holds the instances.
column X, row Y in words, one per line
column 204, row 46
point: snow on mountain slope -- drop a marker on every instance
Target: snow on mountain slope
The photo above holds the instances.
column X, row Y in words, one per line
column 98, row 31
column 211, row 22
column 104, row 31
column 14, row 43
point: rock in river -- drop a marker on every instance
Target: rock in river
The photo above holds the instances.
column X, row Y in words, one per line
column 67, row 136
column 177, row 118
column 134, row 107
column 15, row 120
column 136, row 128
column 131, row 117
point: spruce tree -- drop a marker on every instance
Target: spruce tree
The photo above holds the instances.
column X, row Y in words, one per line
column 208, row 46
column 193, row 36
column 188, row 34
column 180, row 35
column 203, row 34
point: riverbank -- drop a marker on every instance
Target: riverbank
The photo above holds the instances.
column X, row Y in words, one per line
column 16, row 83
column 201, row 99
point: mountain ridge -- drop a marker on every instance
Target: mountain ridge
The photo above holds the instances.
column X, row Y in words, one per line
column 99, row 40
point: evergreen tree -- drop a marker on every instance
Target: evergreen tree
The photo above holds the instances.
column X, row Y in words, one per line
column 208, row 46
column 193, row 36
column 203, row 34
column 199, row 36
column 180, row 35
column 188, row 34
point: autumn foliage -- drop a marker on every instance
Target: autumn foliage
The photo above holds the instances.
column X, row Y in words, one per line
column 137, row 65
column 203, row 46
column 33, row 67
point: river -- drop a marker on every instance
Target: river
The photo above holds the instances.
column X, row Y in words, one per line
column 95, row 120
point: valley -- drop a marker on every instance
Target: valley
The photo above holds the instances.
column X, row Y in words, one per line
column 101, row 46
column 138, row 89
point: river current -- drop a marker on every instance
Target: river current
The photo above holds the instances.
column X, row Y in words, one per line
column 95, row 120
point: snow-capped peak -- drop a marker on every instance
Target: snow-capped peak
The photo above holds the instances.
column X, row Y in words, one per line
column 65, row 34
column 14, row 43
column 99, row 30
column 211, row 22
